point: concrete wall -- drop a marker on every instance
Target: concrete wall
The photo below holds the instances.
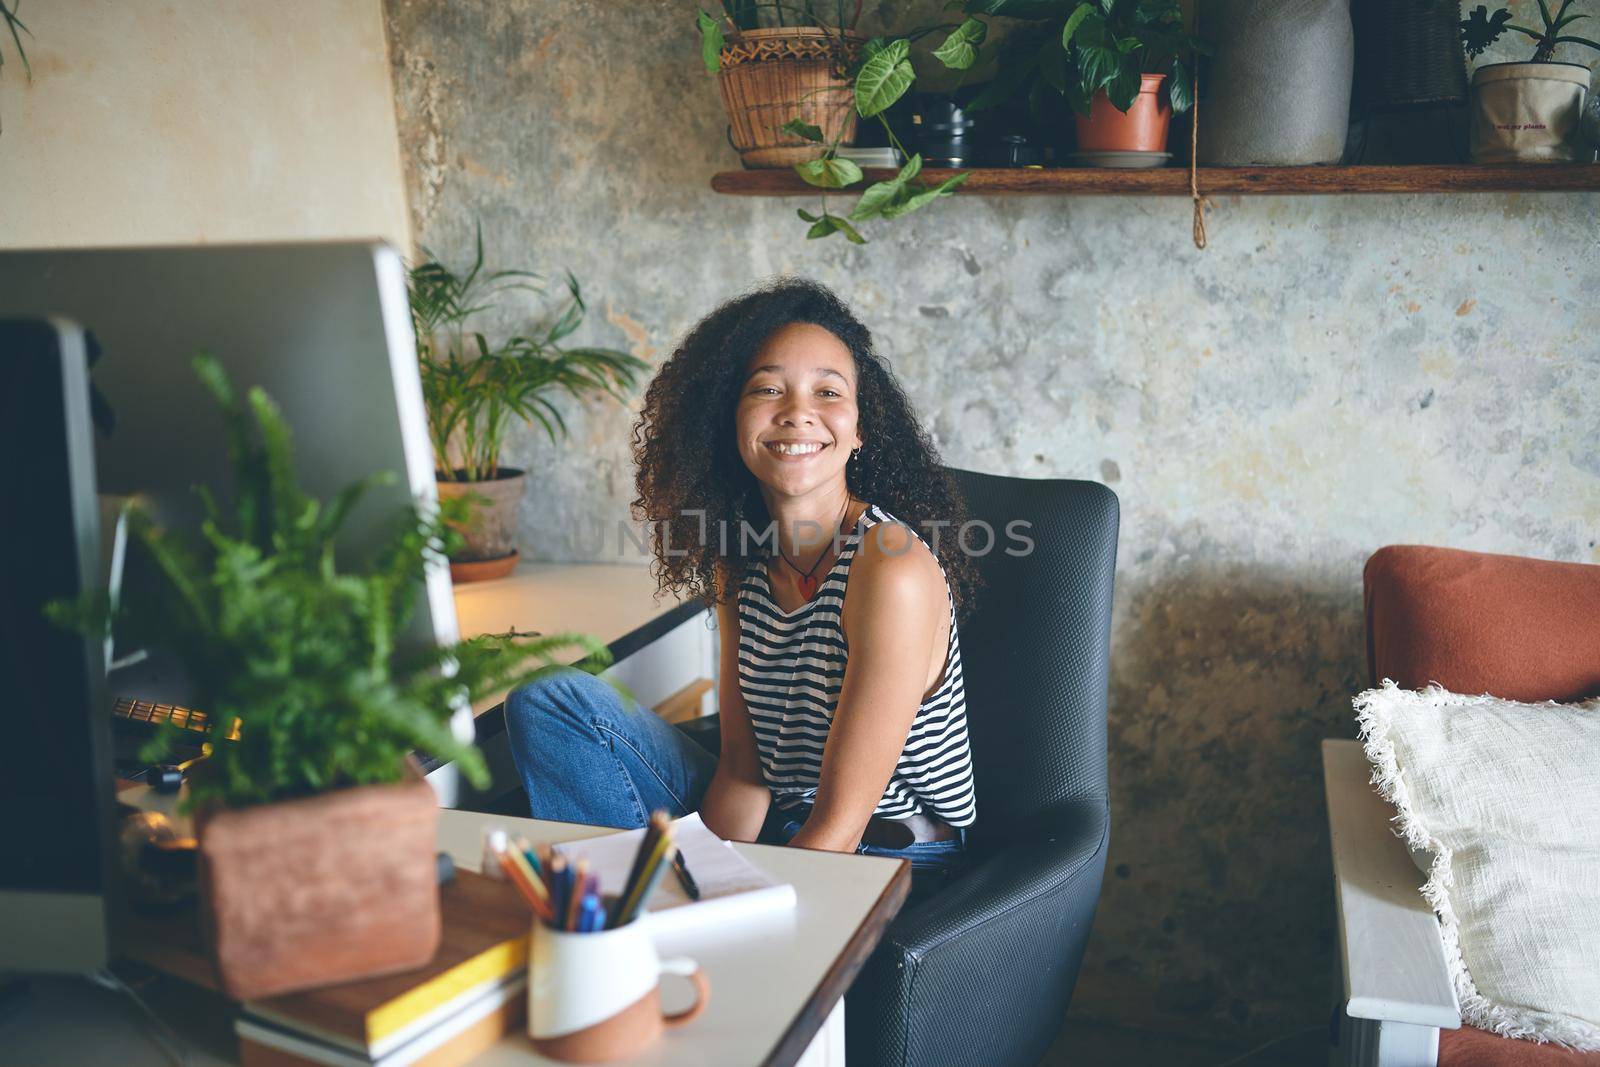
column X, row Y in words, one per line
column 199, row 121
column 1332, row 375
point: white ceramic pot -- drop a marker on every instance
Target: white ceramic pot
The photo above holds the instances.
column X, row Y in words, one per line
column 1528, row 112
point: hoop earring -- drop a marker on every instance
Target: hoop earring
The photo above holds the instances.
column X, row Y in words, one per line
column 855, row 454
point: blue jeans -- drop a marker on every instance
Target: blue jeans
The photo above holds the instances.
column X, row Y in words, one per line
column 587, row 755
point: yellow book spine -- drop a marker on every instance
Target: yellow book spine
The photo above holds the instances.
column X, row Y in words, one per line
column 491, row 963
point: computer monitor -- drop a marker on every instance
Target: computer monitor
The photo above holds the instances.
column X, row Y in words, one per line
column 56, row 790
column 324, row 328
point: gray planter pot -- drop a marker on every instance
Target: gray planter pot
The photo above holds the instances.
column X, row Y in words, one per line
column 1278, row 89
column 491, row 533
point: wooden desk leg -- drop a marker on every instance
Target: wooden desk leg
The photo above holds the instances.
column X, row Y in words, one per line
column 827, row 1048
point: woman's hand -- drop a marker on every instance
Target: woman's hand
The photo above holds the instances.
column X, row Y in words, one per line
column 892, row 616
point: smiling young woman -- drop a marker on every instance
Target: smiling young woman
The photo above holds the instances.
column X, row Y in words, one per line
column 782, row 465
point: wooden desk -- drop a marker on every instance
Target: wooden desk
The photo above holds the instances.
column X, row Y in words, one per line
column 664, row 652
column 777, row 983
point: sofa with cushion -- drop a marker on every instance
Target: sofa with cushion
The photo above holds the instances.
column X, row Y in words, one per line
column 1472, row 623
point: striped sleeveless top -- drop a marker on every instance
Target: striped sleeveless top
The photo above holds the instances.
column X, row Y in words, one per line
column 791, row 668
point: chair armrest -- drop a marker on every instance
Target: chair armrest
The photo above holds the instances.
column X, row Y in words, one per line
column 1013, row 878
column 1389, row 947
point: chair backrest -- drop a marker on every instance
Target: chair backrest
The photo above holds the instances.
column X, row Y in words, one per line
column 1522, row 629
column 1036, row 649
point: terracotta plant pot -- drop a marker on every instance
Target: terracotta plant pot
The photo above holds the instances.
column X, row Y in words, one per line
column 491, row 532
column 771, row 76
column 322, row 889
column 1142, row 129
column 1528, row 112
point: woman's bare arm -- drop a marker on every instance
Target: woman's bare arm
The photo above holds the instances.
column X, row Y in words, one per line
column 892, row 614
column 736, row 802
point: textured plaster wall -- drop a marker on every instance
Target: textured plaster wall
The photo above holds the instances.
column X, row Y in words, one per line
column 1332, row 375
column 199, row 121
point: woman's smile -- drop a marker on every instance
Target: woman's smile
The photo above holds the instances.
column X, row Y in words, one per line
column 795, row 451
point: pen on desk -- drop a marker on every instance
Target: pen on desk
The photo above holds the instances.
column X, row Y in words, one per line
column 681, row 869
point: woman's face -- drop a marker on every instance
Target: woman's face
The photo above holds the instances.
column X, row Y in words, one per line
column 797, row 419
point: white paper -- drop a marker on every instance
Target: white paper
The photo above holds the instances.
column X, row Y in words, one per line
column 729, row 884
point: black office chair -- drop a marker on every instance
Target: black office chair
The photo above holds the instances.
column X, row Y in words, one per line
column 982, row 972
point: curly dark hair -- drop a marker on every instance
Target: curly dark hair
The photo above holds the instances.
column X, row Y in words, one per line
column 689, row 463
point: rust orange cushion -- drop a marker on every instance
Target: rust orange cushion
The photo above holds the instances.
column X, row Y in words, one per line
column 1522, row 629
column 1471, row 1047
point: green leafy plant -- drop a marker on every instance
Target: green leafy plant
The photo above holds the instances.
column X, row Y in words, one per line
column 1480, row 29
column 476, row 391
column 1066, row 49
column 294, row 658
column 16, row 29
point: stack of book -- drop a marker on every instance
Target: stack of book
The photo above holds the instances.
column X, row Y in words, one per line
column 444, row 1014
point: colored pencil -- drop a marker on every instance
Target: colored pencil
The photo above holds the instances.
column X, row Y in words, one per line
column 651, row 880
column 529, row 854
column 592, row 917
column 580, row 886
column 648, row 875
column 659, row 824
column 539, row 904
column 556, row 875
column 527, row 872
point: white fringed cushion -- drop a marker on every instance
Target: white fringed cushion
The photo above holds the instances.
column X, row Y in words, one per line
column 1507, row 798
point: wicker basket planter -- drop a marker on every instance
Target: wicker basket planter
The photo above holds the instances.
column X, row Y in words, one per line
column 773, row 75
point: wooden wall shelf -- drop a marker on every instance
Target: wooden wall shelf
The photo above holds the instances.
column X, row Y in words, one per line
column 1174, row 181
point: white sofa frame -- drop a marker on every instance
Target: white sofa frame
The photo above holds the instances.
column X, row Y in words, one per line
column 1393, row 989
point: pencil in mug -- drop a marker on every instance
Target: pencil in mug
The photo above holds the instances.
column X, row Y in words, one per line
column 521, row 863
column 628, row 907
column 652, row 879
column 658, row 825
column 529, row 854
column 580, row 889
column 536, row 899
column 556, row 878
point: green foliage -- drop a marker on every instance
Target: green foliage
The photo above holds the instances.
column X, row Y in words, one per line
column 1061, row 48
column 16, row 29
column 476, row 391
column 297, row 652
column 1480, row 29
column 828, row 172
column 711, row 41
column 884, row 78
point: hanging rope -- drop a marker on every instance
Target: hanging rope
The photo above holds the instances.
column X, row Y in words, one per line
column 1194, row 152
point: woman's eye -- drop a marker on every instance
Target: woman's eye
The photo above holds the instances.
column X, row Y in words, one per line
column 827, row 392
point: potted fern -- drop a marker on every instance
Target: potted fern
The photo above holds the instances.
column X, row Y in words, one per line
column 316, row 831
column 476, row 392
column 1527, row 112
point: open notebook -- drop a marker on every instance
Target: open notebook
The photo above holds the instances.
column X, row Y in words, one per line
column 730, row 886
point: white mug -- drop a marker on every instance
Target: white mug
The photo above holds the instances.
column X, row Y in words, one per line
column 595, row 997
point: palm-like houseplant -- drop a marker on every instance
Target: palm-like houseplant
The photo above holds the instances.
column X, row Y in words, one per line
column 307, row 801
column 477, row 391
